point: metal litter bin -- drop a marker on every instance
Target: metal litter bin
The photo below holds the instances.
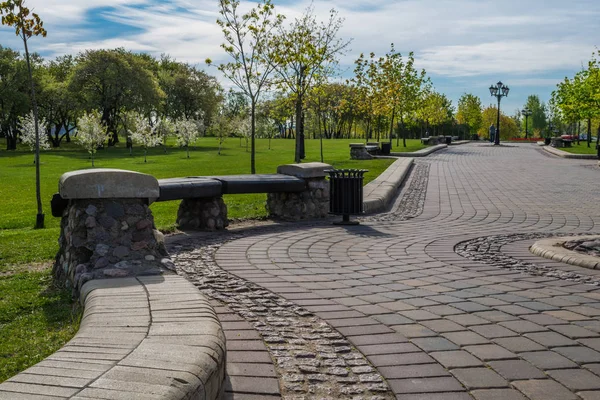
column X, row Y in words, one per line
column 346, row 193
column 386, row 148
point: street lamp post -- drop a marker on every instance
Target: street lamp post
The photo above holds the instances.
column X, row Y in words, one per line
column 499, row 91
column 526, row 112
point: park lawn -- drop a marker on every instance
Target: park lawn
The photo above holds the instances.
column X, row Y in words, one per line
column 36, row 319
column 20, row 243
column 582, row 148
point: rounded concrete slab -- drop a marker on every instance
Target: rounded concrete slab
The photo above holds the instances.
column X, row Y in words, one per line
column 104, row 183
column 553, row 249
column 306, row 170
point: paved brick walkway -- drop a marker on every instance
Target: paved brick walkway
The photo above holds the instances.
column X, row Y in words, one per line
column 438, row 325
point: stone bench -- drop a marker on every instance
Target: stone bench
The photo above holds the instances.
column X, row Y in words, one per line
column 358, row 151
column 559, row 142
column 295, row 192
column 146, row 330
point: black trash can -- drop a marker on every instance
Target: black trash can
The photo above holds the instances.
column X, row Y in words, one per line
column 448, row 140
column 547, row 141
column 386, row 148
column 346, row 193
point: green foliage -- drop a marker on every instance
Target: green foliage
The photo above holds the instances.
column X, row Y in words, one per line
column 436, row 109
column 14, row 13
column 13, row 94
column 303, row 54
column 189, row 93
column 469, row 112
column 113, row 82
column 508, row 127
column 579, row 98
column 538, row 117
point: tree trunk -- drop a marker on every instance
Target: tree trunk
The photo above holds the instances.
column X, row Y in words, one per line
column 299, row 133
column 39, row 223
column 392, row 124
column 253, row 144
column 402, row 130
column 589, row 135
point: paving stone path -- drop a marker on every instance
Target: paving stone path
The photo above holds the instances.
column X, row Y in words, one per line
column 444, row 301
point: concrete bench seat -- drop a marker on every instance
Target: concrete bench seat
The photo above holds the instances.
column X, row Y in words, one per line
column 266, row 183
column 188, row 188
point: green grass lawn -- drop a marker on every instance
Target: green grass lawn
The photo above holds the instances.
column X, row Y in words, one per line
column 35, row 317
column 582, row 148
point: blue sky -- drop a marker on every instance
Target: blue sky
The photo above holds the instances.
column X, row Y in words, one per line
column 464, row 45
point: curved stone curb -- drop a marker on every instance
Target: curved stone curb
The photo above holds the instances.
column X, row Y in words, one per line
column 378, row 193
column 553, row 250
column 565, row 154
column 459, row 142
column 146, row 337
column 422, row 152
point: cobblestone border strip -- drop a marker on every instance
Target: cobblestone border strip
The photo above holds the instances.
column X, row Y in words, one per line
column 310, row 357
column 565, row 154
column 139, row 338
column 412, row 202
column 488, row 250
column 553, row 250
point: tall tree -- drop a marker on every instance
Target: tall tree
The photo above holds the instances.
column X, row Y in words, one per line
column 469, row 112
column 114, row 82
column 14, row 100
column 14, row 13
column 247, row 39
column 189, row 92
column 303, row 54
column 538, row 117
column 436, row 109
column 509, row 128
column 57, row 103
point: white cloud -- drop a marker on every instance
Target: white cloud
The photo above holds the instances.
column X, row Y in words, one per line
column 514, row 57
column 459, row 42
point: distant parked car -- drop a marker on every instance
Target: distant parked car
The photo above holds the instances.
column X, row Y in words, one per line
column 584, row 137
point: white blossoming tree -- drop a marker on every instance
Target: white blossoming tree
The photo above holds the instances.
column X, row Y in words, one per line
column 144, row 134
column 165, row 128
column 91, row 133
column 187, row 132
column 27, row 128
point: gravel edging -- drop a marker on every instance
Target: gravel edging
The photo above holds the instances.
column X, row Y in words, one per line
column 553, row 250
column 565, row 154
